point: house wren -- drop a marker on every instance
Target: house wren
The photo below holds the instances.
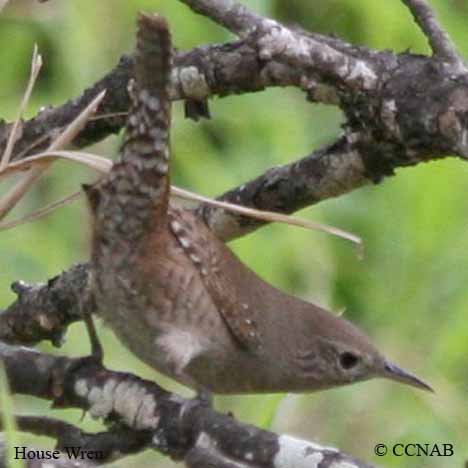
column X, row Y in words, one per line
column 178, row 298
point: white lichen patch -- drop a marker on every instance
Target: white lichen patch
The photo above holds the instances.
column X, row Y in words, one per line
column 146, row 413
column 129, row 400
column 299, row 453
column 193, row 83
column 44, row 322
column 308, row 52
column 100, row 406
column 81, row 388
column 277, row 40
column 343, row 465
column 388, row 114
column 360, row 71
column 249, row 456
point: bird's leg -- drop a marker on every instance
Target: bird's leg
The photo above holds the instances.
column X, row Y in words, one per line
column 87, row 305
column 204, row 396
column 96, row 347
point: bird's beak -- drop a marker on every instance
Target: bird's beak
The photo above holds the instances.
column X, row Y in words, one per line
column 393, row 372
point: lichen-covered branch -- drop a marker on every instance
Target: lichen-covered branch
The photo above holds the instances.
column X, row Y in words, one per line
column 199, row 73
column 305, row 52
column 44, row 311
column 328, row 172
column 184, row 429
column 73, row 443
column 228, row 13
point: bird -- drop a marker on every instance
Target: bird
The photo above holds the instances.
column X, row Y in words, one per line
column 178, row 298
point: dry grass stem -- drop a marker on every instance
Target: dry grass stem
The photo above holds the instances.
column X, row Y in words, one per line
column 36, row 65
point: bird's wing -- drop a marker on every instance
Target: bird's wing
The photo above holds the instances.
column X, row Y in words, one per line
column 208, row 255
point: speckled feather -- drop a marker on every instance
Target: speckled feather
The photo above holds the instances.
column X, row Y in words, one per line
column 136, row 191
column 206, row 254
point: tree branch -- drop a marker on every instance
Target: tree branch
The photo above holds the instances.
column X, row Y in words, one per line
column 333, row 170
column 441, row 44
column 72, row 441
column 200, row 73
column 184, row 429
column 228, row 13
column 295, row 47
column 44, row 311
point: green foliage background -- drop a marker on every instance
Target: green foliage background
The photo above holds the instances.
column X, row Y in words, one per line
column 409, row 292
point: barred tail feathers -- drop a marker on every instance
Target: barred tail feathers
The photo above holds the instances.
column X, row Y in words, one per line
column 146, row 143
column 132, row 200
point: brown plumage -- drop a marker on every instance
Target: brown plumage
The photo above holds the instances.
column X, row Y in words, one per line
column 178, row 297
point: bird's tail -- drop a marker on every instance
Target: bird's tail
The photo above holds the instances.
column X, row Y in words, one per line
column 146, row 143
column 136, row 191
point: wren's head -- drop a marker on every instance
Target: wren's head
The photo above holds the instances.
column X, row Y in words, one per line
column 347, row 355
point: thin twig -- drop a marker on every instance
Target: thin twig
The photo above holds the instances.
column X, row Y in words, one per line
column 42, row 212
column 109, row 115
column 36, row 64
column 77, row 125
column 16, row 193
column 439, row 41
column 95, row 162
column 8, row 202
column 269, row 216
column 104, row 165
column 228, row 13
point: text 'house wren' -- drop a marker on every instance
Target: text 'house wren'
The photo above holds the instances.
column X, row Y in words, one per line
column 178, row 297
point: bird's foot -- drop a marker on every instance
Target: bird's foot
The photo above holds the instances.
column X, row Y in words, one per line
column 88, row 305
column 204, row 397
column 70, row 372
column 97, row 352
column 202, row 400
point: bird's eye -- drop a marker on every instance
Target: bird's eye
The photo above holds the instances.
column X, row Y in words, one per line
column 348, row 360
